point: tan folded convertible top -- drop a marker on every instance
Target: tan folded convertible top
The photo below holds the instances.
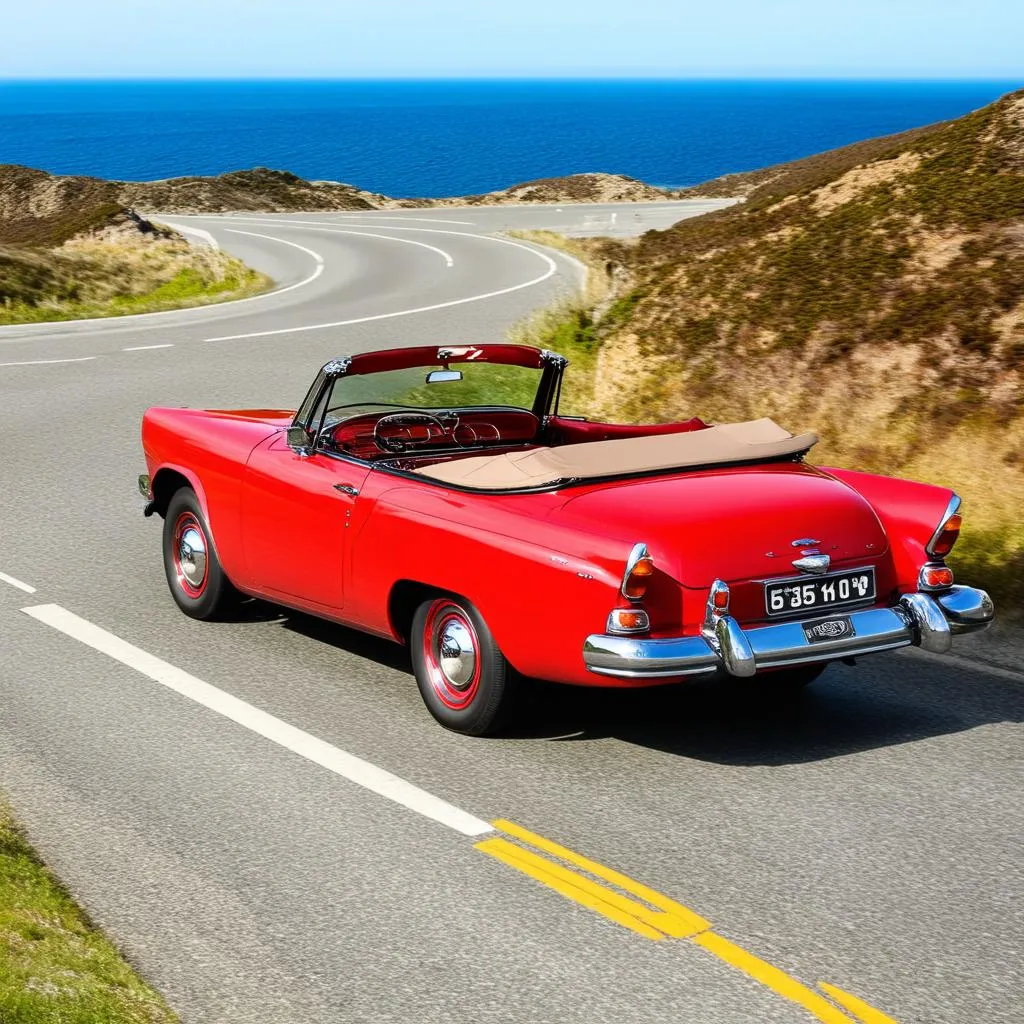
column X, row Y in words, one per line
column 720, row 445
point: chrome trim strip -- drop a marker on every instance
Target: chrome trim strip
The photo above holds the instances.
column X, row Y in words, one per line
column 953, row 507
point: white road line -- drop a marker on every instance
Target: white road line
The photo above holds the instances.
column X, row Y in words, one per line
column 16, row 583
column 552, row 269
column 295, row 245
column 389, row 238
column 47, row 362
column 146, row 348
column 319, row 225
column 348, row 766
column 187, row 229
column 424, row 220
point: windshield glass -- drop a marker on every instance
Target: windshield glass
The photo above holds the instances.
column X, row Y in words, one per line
column 482, row 384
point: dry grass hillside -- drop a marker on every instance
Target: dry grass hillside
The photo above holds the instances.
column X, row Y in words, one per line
column 69, row 248
column 874, row 293
column 573, row 188
column 260, row 189
column 26, row 195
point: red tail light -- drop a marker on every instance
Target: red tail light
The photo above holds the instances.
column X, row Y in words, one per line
column 639, row 570
column 635, row 584
column 945, row 536
column 936, row 577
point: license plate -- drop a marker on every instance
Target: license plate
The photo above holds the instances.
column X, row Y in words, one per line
column 787, row 597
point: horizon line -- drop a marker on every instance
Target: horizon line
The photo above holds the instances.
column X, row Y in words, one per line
column 614, row 77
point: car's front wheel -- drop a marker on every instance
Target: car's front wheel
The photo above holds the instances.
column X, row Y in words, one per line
column 462, row 675
column 198, row 583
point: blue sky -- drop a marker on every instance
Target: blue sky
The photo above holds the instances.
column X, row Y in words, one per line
column 544, row 38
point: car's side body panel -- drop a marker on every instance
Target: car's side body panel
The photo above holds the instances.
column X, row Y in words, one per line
column 296, row 514
column 539, row 585
column 210, row 449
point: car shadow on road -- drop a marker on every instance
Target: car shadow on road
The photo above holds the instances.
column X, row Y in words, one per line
column 363, row 645
column 893, row 700
column 884, row 701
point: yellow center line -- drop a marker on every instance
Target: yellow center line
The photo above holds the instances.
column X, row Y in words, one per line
column 859, row 1009
column 655, row 916
column 574, row 886
column 778, row 981
column 671, row 918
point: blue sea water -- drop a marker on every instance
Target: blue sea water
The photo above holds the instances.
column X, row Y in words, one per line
column 436, row 138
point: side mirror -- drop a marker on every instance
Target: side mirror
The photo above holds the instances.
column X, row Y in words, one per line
column 443, row 376
column 298, row 438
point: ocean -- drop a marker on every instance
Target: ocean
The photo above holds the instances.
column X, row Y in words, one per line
column 438, row 138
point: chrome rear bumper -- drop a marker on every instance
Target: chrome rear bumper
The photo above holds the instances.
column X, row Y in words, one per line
column 923, row 620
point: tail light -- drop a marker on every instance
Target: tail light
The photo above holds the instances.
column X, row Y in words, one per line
column 935, row 577
column 639, row 570
column 628, row 620
column 945, row 536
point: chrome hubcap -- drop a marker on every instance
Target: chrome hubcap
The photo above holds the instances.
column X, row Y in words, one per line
column 192, row 555
column 457, row 654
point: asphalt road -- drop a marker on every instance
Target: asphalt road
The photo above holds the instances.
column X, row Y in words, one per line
column 867, row 836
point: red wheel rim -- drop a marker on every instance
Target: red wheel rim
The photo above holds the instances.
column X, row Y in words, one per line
column 189, row 554
column 451, row 654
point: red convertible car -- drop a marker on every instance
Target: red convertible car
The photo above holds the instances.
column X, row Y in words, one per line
column 435, row 496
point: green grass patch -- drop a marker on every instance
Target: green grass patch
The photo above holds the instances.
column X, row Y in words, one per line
column 571, row 330
column 185, row 289
column 56, row 967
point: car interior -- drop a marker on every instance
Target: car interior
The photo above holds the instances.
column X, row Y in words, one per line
column 500, row 448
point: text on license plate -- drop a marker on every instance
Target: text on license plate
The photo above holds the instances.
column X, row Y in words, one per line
column 786, row 596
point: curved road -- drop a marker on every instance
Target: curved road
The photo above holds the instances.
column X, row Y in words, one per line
column 867, row 836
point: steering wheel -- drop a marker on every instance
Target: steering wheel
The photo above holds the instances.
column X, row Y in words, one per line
column 394, row 445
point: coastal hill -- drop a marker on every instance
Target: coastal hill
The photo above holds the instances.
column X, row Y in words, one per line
column 874, row 293
column 268, row 191
column 573, row 188
column 70, row 248
column 261, row 190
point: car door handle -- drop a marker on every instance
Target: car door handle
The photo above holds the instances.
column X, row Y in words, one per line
column 347, row 489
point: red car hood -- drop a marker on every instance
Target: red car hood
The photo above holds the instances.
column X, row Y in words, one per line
column 732, row 524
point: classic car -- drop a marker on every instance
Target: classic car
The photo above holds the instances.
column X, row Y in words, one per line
column 437, row 497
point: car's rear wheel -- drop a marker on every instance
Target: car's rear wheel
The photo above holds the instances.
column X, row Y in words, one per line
column 462, row 675
column 198, row 583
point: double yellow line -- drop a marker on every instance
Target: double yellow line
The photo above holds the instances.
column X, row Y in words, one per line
column 656, row 917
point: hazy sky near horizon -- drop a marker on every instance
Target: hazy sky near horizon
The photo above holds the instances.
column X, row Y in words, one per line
column 542, row 38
